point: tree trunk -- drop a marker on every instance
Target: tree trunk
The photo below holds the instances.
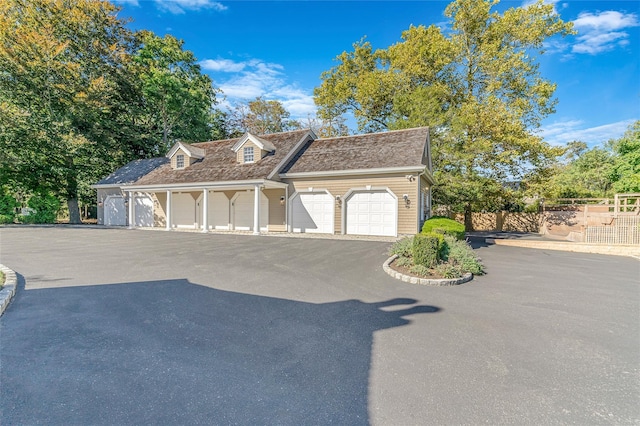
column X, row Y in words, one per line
column 468, row 220
column 74, row 210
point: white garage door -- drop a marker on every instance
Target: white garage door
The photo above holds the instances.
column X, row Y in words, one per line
column 183, row 210
column 312, row 212
column 242, row 211
column 372, row 213
column 144, row 211
column 115, row 213
column 218, row 210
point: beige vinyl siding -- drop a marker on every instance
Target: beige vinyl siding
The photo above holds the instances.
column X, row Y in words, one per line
column 398, row 184
column 187, row 160
column 277, row 212
column 160, row 209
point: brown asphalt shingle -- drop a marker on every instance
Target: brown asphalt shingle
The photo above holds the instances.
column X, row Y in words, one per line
column 399, row 148
column 219, row 163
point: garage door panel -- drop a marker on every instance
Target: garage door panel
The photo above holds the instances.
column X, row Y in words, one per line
column 243, row 211
column 183, row 210
column 218, row 210
column 371, row 213
column 144, row 211
column 115, row 212
column 312, row 212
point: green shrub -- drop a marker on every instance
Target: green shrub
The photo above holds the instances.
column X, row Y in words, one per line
column 449, row 270
column 8, row 206
column 45, row 207
column 445, row 226
column 402, row 247
column 6, row 218
column 404, row 261
column 460, row 254
column 420, row 270
column 427, row 249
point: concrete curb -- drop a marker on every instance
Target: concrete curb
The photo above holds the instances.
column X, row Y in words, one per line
column 617, row 250
column 9, row 287
column 423, row 281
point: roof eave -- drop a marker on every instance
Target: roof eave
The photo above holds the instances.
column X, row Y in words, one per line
column 355, row 172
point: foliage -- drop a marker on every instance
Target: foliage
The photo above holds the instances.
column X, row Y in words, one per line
column 61, row 84
column 597, row 172
column 449, row 270
column 460, row 254
column 45, row 209
column 402, row 247
column 443, row 225
column 420, row 270
column 404, row 261
column 625, row 171
column 427, row 249
column 478, row 86
column 178, row 98
column 260, row 117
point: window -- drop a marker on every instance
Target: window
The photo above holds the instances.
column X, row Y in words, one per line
column 180, row 161
column 248, row 154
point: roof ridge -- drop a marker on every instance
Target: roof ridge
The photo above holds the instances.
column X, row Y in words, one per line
column 374, row 134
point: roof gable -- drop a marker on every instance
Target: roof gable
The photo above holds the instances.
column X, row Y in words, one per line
column 190, row 150
column 259, row 142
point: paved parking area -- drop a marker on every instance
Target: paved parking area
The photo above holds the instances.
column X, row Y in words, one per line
column 130, row 327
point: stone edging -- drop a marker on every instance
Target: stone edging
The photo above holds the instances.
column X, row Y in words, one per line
column 9, row 287
column 424, row 281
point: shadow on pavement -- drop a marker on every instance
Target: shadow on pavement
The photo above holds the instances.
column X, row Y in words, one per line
column 172, row 352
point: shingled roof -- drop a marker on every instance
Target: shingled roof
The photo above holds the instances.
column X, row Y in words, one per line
column 220, row 162
column 400, row 148
column 133, row 171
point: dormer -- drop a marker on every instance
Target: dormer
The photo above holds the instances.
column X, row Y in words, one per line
column 183, row 155
column 251, row 149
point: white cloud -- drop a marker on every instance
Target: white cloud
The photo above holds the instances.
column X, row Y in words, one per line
column 178, row 7
column 560, row 133
column 222, row 65
column 243, row 81
column 128, row 2
column 601, row 32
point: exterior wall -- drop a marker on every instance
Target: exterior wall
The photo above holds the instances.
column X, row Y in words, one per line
column 175, row 156
column 103, row 193
column 408, row 219
column 256, row 152
column 160, row 209
column 277, row 212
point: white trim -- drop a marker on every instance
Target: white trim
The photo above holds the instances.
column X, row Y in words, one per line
column 260, row 143
column 180, row 145
column 289, row 210
column 350, row 192
column 354, row 172
column 199, row 186
column 108, row 185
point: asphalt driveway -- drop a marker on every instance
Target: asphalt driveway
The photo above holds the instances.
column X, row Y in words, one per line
column 141, row 327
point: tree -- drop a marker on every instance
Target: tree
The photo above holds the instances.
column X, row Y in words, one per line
column 60, row 72
column 261, row 116
column 478, row 86
column 625, row 171
column 178, row 98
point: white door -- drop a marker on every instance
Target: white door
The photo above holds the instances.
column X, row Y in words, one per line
column 218, row 210
column 144, row 211
column 372, row 213
column 115, row 212
column 242, row 210
column 183, row 208
column 312, row 212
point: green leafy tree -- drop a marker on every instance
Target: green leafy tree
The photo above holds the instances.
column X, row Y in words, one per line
column 477, row 85
column 260, row 117
column 61, row 65
column 625, row 171
column 178, row 98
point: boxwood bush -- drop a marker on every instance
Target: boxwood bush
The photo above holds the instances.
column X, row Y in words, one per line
column 427, row 249
column 444, row 226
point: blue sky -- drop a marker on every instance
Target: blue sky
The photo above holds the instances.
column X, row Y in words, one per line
column 279, row 49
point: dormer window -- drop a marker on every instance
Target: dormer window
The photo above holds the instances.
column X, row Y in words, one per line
column 180, row 161
column 248, row 154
